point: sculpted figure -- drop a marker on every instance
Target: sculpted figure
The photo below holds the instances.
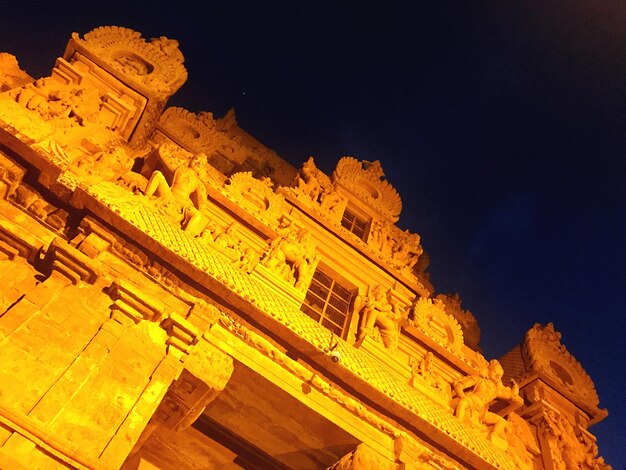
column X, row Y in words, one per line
column 332, row 204
column 577, row 451
column 227, row 238
column 308, row 183
column 423, row 370
column 381, row 312
column 380, row 238
column 185, row 197
column 108, row 165
column 293, row 254
column 242, row 256
column 407, row 250
column 477, row 392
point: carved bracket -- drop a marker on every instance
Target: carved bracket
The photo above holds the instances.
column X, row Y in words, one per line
column 134, row 303
column 182, row 334
column 15, row 241
column 205, row 376
column 70, row 262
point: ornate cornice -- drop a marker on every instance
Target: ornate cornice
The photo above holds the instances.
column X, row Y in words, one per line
column 367, row 181
column 157, row 64
column 549, row 358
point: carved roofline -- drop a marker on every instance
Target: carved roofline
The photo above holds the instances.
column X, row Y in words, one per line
column 544, row 349
column 367, row 181
column 165, row 70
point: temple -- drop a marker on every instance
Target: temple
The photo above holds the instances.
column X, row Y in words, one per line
column 174, row 294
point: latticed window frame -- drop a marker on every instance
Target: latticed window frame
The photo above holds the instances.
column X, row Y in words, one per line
column 355, row 223
column 337, row 290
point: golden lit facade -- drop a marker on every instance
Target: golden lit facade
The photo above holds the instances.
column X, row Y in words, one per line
column 176, row 295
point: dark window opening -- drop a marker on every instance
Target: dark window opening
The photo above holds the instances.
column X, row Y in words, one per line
column 354, row 223
column 328, row 302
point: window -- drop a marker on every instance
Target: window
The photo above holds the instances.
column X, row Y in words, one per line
column 354, row 223
column 328, row 302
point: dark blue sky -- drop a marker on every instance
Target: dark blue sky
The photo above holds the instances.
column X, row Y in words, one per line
column 501, row 124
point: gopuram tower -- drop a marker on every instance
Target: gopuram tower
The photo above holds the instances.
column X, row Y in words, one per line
column 174, row 294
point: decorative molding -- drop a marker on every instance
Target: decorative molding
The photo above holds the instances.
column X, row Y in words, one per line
column 549, row 358
column 157, row 64
column 367, row 181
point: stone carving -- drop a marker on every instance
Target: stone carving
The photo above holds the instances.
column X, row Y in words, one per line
column 308, row 184
column 316, row 190
column 157, row 63
column 380, row 310
column 112, row 164
column 476, row 392
column 68, row 105
column 292, row 255
column 422, row 372
column 430, row 317
column 550, row 358
column 229, row 240
column 366, row 180
column 37, row 206
column 196, row 132
column 573, row 449
column 185, row 197
column 227, row 146
column 521, row 440
column 11, row 75
column 399, row 248
column 469, row 325
column 256, row 197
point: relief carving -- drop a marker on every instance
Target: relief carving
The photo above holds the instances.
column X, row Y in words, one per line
column 423, row 372
column 292, row 256
column 367, row 181
column 257, row 197
column 475, row 393
column 380, row 310
column 157, row 63
column 431, row 318
column 229, row 240
column 184, row 198
column 316, row 190
column 551, row 359
column 469, row 325
column 572, row 448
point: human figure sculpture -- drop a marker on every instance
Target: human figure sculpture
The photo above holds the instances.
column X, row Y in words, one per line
column 332, row 203
column 293, row 255
column 381, row 312
column 407, row 250
column 477, row 392
column 308, row 183
column 424, row 370
column 185, row 198
column 380, row 238
column 227, row 238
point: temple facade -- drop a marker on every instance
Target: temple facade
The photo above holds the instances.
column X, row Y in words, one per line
column 174, row 295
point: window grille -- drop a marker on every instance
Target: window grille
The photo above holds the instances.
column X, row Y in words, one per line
column 328, row 302
column 354, row 223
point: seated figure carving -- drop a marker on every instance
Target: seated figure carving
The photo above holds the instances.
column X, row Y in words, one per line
column 308, row 184
column 292, row 255
column 382, row 312
column 229, row 240
column 424, row 371
column 476, row 392
column 185, row 197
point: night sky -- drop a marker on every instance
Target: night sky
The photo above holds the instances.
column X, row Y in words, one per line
column 500, row 124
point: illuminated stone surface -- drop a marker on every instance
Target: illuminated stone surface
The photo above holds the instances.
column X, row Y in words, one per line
column 175, row 295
